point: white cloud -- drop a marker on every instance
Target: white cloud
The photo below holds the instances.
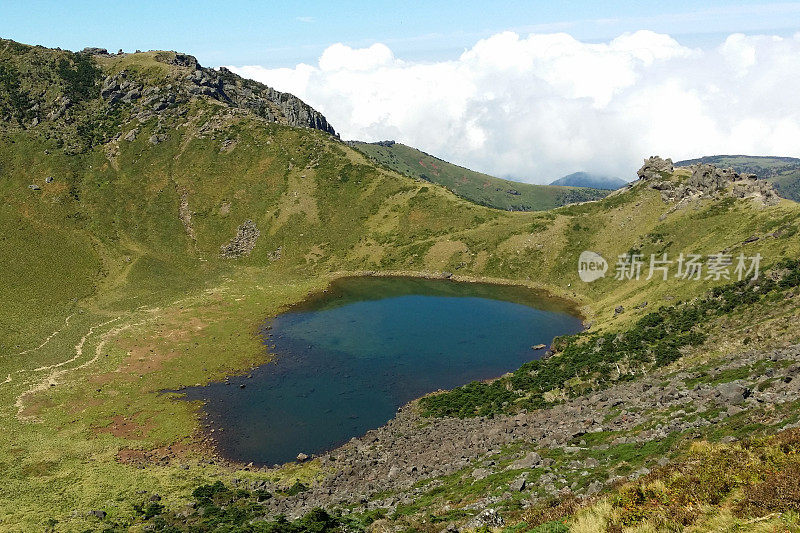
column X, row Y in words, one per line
column 341, row 57
column 541, row 106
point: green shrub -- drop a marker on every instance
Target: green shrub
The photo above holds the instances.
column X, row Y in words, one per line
column 14, row 104
column 80, row 76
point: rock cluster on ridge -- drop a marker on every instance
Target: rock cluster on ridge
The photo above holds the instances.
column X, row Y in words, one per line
column 79, row 99
column 655, row 168
column 220, row 85
column 706, row 181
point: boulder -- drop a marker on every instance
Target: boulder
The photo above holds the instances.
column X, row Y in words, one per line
column 131, row 95
column 733, row 393
column 654, row 168
column 487, row 518
column 518, row 485
column 530, row 460
column 480, row 473
column 131, row 135
column 301, row 457
column 594, row 488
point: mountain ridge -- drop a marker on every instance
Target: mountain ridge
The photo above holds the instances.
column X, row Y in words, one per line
column 81, row 96
column 475, row 186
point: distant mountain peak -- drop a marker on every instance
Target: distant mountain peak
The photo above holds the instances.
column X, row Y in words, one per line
column 587, row 179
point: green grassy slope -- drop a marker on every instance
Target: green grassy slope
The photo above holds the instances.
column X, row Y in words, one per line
column 189, row 315
column 119, row 291
column 474, row 186
column 782, row 172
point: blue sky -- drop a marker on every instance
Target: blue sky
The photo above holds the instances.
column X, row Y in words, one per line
column 276, row 34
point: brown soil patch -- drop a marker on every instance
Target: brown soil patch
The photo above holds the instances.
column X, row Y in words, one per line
column 157, row 456
column 150, row 357
column 82, row 406
column 126, row 427
column 315, row 253
column 39, row 468
column 33, row 409
column 440, row 254
column 417, row 216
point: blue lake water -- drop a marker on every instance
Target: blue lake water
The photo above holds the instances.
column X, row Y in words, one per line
column 346, row 359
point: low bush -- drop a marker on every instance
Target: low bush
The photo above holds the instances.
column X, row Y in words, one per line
column 754, row 478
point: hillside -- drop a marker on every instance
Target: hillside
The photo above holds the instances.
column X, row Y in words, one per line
column 80, row 99
column 145, row 239
column 594, row 181
column 782, row 172
column 474, row 186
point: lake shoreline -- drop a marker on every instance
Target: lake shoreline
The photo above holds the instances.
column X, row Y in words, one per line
column 206, row 434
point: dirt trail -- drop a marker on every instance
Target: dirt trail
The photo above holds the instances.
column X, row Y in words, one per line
column 104, row 339
column 78, row 347
column 51, row 378
column 48, row 339
column 56, row 370
column 30, row 350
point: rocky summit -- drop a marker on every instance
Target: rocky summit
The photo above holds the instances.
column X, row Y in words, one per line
column 706, row 181
column 190, row 80
column 78, row 97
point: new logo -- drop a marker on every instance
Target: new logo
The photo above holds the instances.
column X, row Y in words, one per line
column 591, row 266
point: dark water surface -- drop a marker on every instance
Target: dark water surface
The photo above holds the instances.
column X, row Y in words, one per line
column 346, row 360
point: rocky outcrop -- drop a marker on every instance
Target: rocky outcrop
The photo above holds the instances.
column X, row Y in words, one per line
column 191, row 80
column 243, row 243
column 95, row 51
column 705, row 182
column 185, row 214
column 54, row 91
column 489, row 518
column 655, row 168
